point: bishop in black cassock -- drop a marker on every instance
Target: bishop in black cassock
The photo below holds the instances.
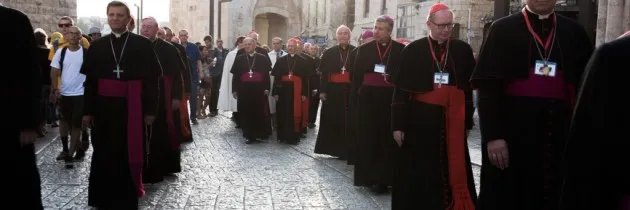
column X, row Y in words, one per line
column 121, row 94
column 291, row 73
column 164, row 147
column 24, row 93
column 313, row 84
column 376, row 64
column 334, row 91
column 183, row 121
column 250, row 86
column 527, row 76
column 597, row 157
column 432, row 110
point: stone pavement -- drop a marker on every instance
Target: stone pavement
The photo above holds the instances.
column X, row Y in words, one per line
column 220, row 171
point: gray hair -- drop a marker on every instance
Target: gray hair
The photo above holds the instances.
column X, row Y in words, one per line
column 151, row 19
column 307, row 45
column 385, row 19
column 342, row 27
column 277, row 39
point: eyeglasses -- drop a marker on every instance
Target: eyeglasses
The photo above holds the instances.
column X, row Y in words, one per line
column 444, row 26
column 75, row 33
column 64, row 25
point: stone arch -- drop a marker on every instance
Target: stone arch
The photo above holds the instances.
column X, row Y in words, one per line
column 279, row 18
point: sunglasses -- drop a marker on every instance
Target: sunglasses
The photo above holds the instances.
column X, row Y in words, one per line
column 64, row 25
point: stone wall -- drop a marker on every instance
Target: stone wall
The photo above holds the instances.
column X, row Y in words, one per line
column 45, row 14
column 613, row 19
column 193, row 16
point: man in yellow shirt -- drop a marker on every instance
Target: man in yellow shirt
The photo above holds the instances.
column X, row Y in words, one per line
column 65, row 23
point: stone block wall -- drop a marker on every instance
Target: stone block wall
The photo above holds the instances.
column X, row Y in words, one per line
column 45, row 14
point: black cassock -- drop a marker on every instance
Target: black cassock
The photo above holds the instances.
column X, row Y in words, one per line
column 183, row 121
column 597, row 153
column 434, row 162
column 375, row 144
column 335, row 83
column 291, row 83
column 23, row 92
column 165, row 154
column 258, row 50
column 313, row 84
column 253, row 104
column 118, row 107
column 531, row 112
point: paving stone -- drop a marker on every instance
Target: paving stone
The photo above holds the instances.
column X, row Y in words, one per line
column 220, row 171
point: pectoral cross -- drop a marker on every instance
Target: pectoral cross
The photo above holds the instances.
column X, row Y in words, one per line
column 118, row 71
column 440, row 80
column 290, row 74
column 250, row 73
column 343, row 70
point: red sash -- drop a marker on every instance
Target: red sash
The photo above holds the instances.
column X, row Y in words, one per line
column 453, row 100
column 376, row 80
column 132, row 91
column 339, row 78
column 254, row 77
column 168, row 106
column 184, row 117
column 300, row 108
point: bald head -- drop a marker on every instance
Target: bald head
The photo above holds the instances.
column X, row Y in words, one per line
column 149, row 27
column 249, row 45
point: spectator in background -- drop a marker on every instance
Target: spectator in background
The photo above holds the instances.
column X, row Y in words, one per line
column 94, row 33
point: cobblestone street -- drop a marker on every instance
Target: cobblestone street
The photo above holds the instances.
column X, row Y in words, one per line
column 220, row 171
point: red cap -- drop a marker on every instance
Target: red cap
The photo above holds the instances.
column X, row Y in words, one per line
column 437, row 7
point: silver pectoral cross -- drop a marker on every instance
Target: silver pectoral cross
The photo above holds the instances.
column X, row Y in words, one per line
column 250, row 73
column 290, row 74
column 343, row 70
column 118, row 71
column 440, row 78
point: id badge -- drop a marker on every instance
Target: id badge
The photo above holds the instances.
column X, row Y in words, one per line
column 379, row 68
column 440, row 78
column 543, row 68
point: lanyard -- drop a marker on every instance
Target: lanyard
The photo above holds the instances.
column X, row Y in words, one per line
column 441, row 64
column 548, row 43
column 378, row 47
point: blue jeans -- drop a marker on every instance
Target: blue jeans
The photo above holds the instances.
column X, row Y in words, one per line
column 193, row 99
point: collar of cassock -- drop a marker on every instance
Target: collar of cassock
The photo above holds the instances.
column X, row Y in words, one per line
column 117, row 35
column 540, row 16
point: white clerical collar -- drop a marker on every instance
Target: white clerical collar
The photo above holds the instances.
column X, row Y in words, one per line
column 540, row 17
column 118, row 35
column 252, row 54
column 292, row 55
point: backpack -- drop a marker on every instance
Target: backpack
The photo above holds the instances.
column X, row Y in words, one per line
column 63, row 55
column 56, row 44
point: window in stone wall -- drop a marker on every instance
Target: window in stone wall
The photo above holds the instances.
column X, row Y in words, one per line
column 383, row 7
column 317, row 13
column 405, row 27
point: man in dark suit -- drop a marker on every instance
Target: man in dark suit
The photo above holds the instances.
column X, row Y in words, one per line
column 24, row 91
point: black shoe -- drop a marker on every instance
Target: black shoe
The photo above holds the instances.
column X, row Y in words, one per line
column 311, row 125
column 68, row 162
column 379, row 189
column 249, row 141
column 194, row 122
column 79, row 155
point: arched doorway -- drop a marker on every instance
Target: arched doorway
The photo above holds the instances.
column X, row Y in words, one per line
column 270, row 25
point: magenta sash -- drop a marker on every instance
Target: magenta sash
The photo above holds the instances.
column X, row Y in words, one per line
column 376, row 80
column 132, row 91
column 544, row 87
column 255, row 77
column 168, row 106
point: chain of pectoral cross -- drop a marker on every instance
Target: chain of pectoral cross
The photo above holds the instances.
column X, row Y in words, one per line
column 117, row 60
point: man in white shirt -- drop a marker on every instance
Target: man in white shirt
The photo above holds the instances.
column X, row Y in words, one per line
column 67, row 62
column 274, row 55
